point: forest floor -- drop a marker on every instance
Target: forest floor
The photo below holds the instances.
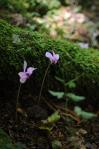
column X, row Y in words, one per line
column 67, row 133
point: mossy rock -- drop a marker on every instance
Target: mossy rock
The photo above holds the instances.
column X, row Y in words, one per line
column 17, row 44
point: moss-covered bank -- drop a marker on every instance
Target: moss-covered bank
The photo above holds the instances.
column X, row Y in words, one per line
column 17, row 45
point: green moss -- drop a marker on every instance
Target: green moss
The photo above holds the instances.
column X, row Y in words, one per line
column 17, row 44
column 15, row 5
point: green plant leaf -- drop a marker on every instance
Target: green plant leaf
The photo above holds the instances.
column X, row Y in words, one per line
column 54, row 117
column 47, row 128
column 71, row 84
column 74, row 97
column 84, row 114
column 56, row 144
column 6, row 142
column 59, row 95
column 60, row 80
column 77, row 110
column 4, row 139
column 87, row 115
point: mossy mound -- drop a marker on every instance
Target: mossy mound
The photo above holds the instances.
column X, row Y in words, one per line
column 17, row 44
column 14, row 5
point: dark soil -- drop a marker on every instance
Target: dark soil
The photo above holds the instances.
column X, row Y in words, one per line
column 27, row 128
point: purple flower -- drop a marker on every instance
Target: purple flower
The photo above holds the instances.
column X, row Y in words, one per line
column 52, row 57
column 26, row 73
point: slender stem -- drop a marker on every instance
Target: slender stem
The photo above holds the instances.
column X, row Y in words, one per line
column 74, row 79
column 17, row 100
column 66, row 103
column 43, row 82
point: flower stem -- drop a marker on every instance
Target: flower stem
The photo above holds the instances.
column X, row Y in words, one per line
column 43, row 83
column 66, row 103
column 17, row 100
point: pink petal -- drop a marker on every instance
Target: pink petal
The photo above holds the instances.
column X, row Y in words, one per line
column 49, row 55
column 30, row 70
column 24, row 66
column 23, row 80
column 21, row 74
column 23, row 77
column 56, row 57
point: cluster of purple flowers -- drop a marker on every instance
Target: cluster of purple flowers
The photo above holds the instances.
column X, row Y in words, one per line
column 28, row 71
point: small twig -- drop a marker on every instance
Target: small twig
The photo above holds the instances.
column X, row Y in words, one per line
column 49, row 105
column 69, row 113
column 64, row 109
column 77, row 119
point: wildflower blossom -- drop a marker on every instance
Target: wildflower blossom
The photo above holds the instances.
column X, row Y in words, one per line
column 26, row 73
column 52, row 57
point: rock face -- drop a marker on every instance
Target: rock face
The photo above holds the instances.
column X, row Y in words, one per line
column 17, row 44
